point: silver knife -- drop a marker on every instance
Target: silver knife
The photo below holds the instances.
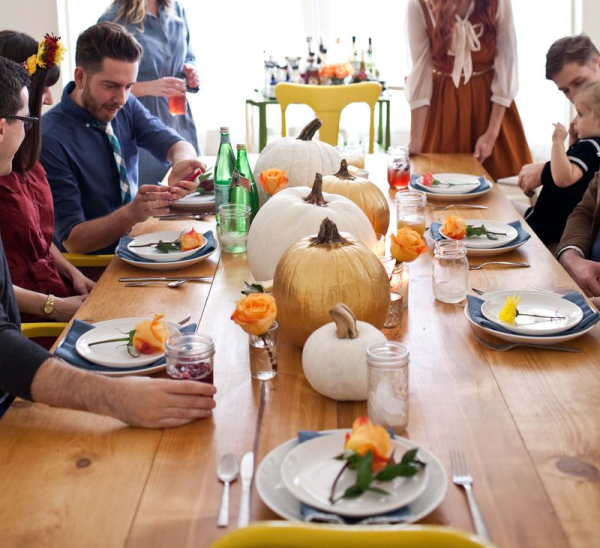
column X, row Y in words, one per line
column 246, row 473
column 207, row 279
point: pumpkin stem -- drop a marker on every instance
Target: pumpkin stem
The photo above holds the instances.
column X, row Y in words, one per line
column 343, row 173
column 316, row 194
column 345, row 321
column 310, row 129
column 329, row 235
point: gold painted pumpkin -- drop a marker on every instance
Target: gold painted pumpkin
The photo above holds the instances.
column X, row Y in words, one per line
column 318, row 272
column 363, row 193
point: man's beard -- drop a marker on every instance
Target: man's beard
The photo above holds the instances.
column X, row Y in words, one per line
column 95, row 108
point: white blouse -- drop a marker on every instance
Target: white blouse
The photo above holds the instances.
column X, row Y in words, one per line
column 465, row 39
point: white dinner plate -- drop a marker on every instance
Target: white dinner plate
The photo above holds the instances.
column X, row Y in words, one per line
column 309, row 470
column 534, row 303
column 483, row 242
column 115, row 354
column 275, row 495
column 478, row 252
column 195, row 203
column 150, row 253
column 451, row 197
column 168, row 266
column 516, row 338
column 457, row 183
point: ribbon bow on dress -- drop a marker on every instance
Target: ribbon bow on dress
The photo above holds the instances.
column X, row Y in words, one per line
column 465, row 39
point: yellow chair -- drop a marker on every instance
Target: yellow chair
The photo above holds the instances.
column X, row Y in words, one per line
column 284, row 534
column 80, row 259
column 328, row 103
column 42, row 329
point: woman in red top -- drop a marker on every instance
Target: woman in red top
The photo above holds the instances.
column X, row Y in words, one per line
column 45, row 283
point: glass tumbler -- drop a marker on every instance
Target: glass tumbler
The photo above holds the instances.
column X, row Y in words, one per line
column 190, row 356
column 410, row 210
column 234, row 226
column 450, row 271
column 398, row 167
column 263, row 354
column 387, row 400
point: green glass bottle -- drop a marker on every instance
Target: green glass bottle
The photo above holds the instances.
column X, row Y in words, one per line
column 223, row 170
column 243, row 186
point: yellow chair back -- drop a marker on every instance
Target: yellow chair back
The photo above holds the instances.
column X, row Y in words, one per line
column 328, row 103
column 42, row 329
column 284, row 534
column 80, row 259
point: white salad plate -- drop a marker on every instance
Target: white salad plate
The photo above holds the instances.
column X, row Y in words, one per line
column 115, row 354
column 479, row 252
column 195, row 203
column 168, row 266
column 444, row 197
column 532, row 305
column 452, row 183
column 277, row 497
column 483, row 242
column 515, row 337
column 152, row 254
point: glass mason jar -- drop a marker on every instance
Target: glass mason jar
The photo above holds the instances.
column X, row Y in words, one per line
column 190, row 356
column 398, row 167
column 394, row 316
column 387, row 400
column 450, row 271
column 233, row 227
column 263, row 354
column 410, row 210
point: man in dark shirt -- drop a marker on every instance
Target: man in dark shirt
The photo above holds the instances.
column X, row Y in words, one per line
column 30, row 372
column 90, row 147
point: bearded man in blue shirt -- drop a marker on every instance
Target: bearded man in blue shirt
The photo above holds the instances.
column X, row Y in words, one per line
column 90, row 146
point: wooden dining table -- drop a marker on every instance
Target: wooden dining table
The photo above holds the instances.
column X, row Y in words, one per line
column 528, row 420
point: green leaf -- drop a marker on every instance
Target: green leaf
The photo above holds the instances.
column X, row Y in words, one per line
column 353, row 492
column 253, row 288
column 409, row 456
column 165, row 247
column 364, row 475
column 483, row 231
column 378, row 491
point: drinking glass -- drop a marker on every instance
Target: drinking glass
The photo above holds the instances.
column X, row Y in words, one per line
column 380, row 245
column 394, row 316
column 190, row 356
column 233, row 227
column 398, row 167
column 263, row 354
column 410, row 210
column 177, row 104
column 450, row 271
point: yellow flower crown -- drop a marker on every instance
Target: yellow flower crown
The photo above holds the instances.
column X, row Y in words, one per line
column 51, row 52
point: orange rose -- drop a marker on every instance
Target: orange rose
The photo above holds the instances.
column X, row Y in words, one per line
column 407, row 245
column 454, row 227
column 368, row 437
column 326, row 71
column 150, row 336
column 273, row 180
column 255, row 314
column 191, row 240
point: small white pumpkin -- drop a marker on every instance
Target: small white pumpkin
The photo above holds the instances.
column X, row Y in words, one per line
column 300, row 157
column 295, row 213
column 334, row 358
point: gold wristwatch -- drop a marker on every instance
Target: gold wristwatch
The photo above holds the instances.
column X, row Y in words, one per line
column 48, row 308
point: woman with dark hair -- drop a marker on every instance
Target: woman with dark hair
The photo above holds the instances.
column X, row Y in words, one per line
column 46, row 285
column 463, row 82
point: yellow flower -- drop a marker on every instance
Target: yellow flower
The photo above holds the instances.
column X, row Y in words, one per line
column 273, row 180
column 31, row 64
column 256, row 313
column 150, row 336
column 368, row 437
column 454, row 227
column 509, row 311
column 407, row 245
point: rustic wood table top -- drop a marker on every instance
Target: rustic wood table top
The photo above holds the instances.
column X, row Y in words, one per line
column 527, row 419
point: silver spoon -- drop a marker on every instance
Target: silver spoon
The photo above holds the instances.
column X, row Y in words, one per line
column 173, row 284
column 227, row 472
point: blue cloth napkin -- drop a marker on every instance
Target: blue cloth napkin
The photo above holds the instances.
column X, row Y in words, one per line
column 590, row 317
column 484, row 184
column 522, row 235
column 124, row 253
column 67, row 351
column 310, row 514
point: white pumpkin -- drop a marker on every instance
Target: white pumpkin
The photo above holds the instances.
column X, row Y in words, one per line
column 295, row 213
column 334, row 358
column 300, row 157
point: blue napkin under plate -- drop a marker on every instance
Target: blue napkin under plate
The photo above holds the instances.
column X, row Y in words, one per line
column 590, row 317
column 310, row 514
column 124, row 253
column 484, row 184
column 522, row 235
column 67, row 351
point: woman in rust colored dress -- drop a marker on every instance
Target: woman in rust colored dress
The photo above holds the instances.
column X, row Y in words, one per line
column 37, row 268
column 463, row 82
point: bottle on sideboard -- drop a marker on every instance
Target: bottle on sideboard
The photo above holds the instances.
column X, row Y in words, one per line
column 223, row 170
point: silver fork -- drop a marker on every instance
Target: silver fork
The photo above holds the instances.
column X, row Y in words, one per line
column 464, row 206
column 504, row 263
column 462, row 478
column 510, row 346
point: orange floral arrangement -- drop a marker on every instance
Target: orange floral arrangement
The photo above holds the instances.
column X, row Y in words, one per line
column 51, row 51
column 273, row 180
column 255, row 313
column 191, row 240
column 338, row 70
column 454, row 227
column 407, row 245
